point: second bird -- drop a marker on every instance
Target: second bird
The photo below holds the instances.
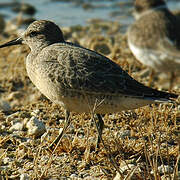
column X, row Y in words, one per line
column 154, row 38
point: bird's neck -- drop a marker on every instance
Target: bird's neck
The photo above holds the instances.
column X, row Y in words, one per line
column 37, row 46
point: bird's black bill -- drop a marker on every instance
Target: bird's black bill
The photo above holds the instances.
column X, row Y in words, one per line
column 11, row 43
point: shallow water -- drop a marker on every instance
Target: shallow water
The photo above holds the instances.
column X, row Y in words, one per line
column 71, row 13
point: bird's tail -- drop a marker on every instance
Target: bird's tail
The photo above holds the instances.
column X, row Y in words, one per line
column 160, row 96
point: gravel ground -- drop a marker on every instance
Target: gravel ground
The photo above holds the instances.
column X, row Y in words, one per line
column 140, row 144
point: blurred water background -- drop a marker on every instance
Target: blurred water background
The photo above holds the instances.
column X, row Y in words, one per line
column 77, row 12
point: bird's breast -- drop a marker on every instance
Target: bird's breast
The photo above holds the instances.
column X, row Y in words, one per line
column 158, row 60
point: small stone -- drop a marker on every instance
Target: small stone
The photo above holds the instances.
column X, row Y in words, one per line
column 6, row 160
column 178, row 107
column 35, row 127
column 167, row 177
column 164, row 169
column 123, row 133
column 35, row 112
column 16, row 127
column 4, row 106
column 117, row 177
column 24, row 176
column 74, row 176
column 2, row 127
column 25, row 8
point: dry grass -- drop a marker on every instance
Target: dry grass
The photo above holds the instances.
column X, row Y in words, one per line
column 140, row 141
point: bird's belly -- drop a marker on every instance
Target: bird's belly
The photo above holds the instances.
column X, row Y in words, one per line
column 85, row 102
column 157, row 60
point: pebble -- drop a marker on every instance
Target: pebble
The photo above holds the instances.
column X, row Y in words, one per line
column 166, row 177
column 123, row 134
column 178, row 107
column 6, row 160
column 164, row 169
column 117, row 177
column 17, row 127
column 24, row 176
column 25, row 8
column 35, row 127
column 35, row 112
column 4, row 106
column 74, row 176
column 2, row 127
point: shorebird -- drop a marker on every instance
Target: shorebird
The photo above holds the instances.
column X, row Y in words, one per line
column 79, row 79
column 154, row 38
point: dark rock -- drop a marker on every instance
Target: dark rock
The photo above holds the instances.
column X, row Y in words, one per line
column 25, row 8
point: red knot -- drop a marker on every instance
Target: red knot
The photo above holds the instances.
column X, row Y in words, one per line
column 79, row 79
column 154, row 38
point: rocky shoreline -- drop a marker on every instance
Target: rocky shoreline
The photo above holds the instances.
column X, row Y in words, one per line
column 144, row 143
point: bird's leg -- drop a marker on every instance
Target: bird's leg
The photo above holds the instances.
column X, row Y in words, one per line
column 172, row 79
column 99, row 126
column 151, row 77
column 59, row 137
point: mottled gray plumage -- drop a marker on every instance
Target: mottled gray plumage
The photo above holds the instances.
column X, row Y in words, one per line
column 78, row 78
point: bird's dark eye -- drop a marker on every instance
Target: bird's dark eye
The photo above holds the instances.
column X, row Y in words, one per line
column 32, row 34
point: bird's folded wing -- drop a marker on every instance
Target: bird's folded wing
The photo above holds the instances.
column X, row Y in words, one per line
column 169, row 47
column 89, row 71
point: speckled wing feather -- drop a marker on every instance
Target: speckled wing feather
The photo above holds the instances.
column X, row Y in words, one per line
column 85, row 70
